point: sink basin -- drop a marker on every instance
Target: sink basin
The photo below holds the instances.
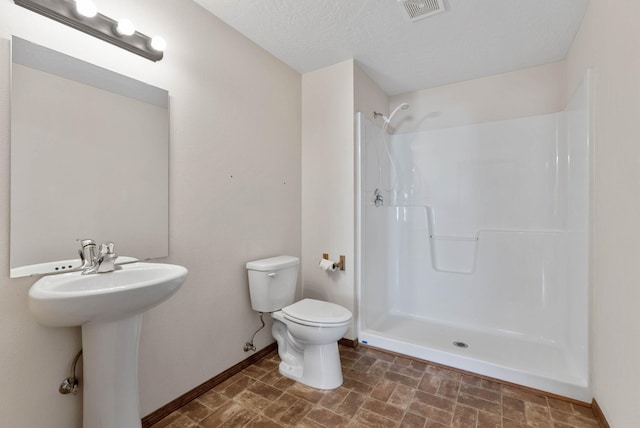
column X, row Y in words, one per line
column 108, row 307
column 72, row 299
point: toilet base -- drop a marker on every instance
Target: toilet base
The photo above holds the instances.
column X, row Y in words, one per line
column 320, row 367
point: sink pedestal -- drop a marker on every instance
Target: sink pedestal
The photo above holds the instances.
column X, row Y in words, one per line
column 110, row 373
column 108, row 307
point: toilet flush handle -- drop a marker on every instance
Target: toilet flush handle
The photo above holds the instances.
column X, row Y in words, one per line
column 272, row 274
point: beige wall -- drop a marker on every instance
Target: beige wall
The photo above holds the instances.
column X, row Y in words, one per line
column 608, row 42
column 235, row 195
column 368, row 96
column 527, row 92
column 330, row 97
column 327, row 182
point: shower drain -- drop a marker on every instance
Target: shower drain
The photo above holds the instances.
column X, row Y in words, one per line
column 460, row 344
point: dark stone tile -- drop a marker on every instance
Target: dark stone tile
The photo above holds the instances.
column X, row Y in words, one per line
column 266, row 391
column 513, row 409
column 262, row 422
column 357, row 386
column 308, row 423
column 383, row 409
column 406, row 371
column 435, row 401
column 295, row 413
column 405, row 380
column 480, row 404
column 537, row 416
column 242, row 383
column 491, row 385
column 368, row 378
column 253, row 401
column 383, row 390
column 332, row 399
column 229, row 415
column 430, row 412
column 449, row 388
column 174, row 420
column 327, row 418
column 379, row 355
column 508, row 423
column 419, row 365
column 430, row 383
column 279, row 406
column 212, row 399
column 471, row 380
column 489, row 420
column 464, row 417
column 364, row 363
column 254, row 372
column 351, row 404
column 402, row 396
column 572, row 419
column 524, row 395
column 283, row 383
column 441, row 371
column 310, row 394
column 372, row 420
column 195, row 410
column 562, row 405
column 485, row 394
column 411, row 420
column 584, row 411
column 402, row 361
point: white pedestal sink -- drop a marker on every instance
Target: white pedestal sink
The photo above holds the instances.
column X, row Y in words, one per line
column 108, row 307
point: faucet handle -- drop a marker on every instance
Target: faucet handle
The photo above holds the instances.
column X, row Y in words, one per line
column 107, row 258
column 107, row 248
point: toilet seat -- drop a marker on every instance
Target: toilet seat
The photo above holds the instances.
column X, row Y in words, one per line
column 316, row 313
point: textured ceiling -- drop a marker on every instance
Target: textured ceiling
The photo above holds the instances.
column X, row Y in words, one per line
column 473, row 38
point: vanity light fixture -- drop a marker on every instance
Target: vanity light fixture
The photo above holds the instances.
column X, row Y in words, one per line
column 86, row 8
column 125, row 27
column 83, row 15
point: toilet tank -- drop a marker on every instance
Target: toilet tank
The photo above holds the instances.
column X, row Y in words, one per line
column 272, row 282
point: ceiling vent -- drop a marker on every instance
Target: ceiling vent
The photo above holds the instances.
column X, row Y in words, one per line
column 418, row 9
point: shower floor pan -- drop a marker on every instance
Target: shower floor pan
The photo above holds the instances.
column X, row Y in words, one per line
column 542, row 366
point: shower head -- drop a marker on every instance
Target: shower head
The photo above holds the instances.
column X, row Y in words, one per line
column 402, row 106
column 387, row 120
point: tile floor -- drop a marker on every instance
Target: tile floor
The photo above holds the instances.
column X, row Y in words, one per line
column 379, row 390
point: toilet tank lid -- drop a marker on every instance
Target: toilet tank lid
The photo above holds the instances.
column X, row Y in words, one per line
column 273, row 263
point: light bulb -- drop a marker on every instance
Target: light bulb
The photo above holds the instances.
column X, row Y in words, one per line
column 125, row 27
column 86, row 8
column 158, row 44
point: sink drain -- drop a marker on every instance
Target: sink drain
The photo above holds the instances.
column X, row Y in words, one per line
column 460, row 345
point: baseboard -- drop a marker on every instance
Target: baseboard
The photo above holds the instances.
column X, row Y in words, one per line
column 351, row 343
column 199, row 390
column 597, row 412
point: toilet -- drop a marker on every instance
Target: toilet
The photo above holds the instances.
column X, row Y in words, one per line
column 307, row 331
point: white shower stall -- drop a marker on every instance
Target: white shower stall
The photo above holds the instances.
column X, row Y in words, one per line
column 476, row 252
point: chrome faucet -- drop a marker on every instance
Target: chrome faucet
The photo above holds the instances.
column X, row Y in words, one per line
column 103, row 262
column 87, row 253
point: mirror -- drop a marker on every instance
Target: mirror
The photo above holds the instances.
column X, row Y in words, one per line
column 89, row 159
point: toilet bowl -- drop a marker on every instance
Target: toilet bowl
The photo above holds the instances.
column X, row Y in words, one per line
column 307, row 333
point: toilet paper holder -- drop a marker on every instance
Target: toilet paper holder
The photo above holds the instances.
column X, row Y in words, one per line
column 337, row 265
